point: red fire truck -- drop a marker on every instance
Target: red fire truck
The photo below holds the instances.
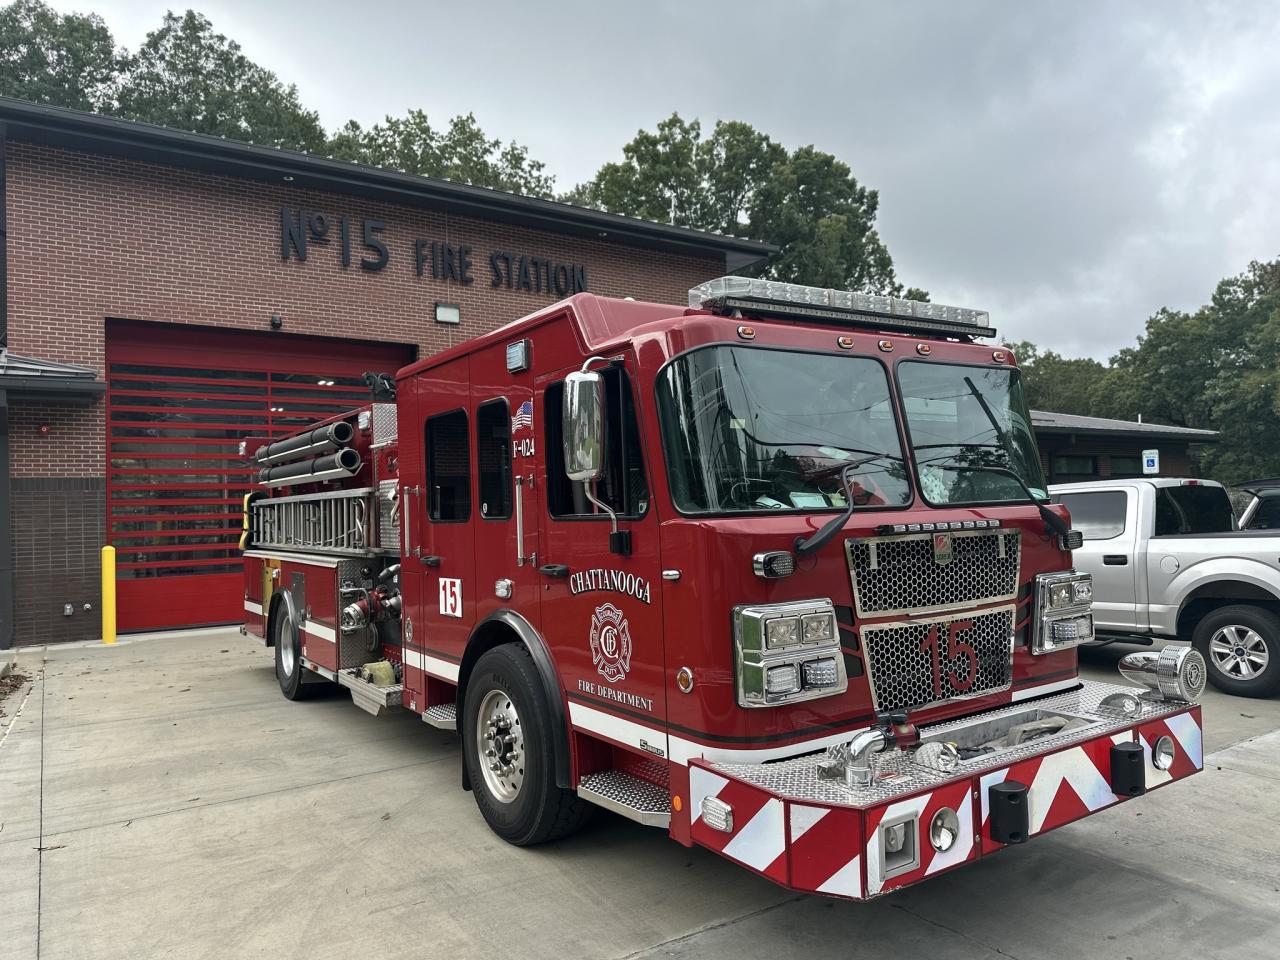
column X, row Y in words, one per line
column 775, row 572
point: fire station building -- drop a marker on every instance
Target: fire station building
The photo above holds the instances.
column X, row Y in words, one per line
column 165, row 294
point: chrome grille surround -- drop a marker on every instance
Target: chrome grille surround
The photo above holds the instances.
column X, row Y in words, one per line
column 898, row 574
column 900, row 664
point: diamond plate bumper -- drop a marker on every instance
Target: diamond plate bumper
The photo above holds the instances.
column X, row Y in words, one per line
column 819, row 835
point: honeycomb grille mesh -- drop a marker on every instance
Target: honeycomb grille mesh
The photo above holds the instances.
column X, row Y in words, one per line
column 900, row 575
column 901, row 658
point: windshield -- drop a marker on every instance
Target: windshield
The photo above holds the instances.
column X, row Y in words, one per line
column 751, row 429
column 969, row 430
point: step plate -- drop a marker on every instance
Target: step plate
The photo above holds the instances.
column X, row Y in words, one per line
column 628, row 796
column 443, row 716
column 368, row 697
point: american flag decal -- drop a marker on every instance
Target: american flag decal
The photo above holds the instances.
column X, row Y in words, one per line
column 523, row 417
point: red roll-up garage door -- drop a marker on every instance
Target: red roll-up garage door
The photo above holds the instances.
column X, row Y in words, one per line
column 179, row 400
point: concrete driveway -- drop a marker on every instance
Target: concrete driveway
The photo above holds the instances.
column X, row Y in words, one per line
column 160, row 798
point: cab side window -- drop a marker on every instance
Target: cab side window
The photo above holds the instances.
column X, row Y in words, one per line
column 1267, row 516
column 622, row 486
column 1099, row 515
column 448, row 468
column 493, row 459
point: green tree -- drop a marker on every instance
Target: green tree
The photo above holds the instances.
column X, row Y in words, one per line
column 462, row 153
column 66, row 60
column 739, row 181
column 1216, row 368
column 185, row 75
column 1056, row 383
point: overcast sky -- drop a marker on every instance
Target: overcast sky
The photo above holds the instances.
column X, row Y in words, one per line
column 1070, row 167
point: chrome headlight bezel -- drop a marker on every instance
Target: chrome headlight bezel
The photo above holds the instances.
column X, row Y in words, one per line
column 754, row 656
column 1062, row 600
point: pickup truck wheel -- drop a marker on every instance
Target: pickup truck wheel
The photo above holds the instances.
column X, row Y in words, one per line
column 506, row 743
column 1241, row 645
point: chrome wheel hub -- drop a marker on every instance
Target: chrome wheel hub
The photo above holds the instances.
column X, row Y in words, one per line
column 1239, row 652
column 284, row 640
column 500, row 745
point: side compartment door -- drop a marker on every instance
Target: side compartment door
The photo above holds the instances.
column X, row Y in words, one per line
column 444, row 553
column 411, row 475
column 1109, row 521
column 602, row 610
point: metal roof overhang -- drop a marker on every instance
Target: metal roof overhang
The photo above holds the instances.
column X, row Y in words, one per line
column 45, row 381
column 1180, row 436
column 74, row 130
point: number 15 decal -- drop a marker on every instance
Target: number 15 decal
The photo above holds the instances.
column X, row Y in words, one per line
column 450, row 597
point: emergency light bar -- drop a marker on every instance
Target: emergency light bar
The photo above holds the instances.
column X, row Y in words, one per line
column 727, row 294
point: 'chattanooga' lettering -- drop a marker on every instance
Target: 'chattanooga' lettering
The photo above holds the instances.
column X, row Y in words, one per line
column 585, row 581
column 302, row 231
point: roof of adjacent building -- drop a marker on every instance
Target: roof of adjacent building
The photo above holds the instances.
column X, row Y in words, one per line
column 76, row 130
column 1045, row 422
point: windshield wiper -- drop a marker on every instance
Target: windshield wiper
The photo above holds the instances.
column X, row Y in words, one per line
column 1051, row 519
column 807, row 545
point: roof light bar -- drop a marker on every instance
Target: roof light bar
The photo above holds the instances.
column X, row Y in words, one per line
column 726, row 294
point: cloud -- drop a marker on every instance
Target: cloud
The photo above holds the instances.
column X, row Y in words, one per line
column 1069, row 167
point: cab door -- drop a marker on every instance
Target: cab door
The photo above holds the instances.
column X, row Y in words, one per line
column 506, row 493
column 1108, row 519
column 601, row 599
column 443, row 551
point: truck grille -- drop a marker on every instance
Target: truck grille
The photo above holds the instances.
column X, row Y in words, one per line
column 919, row 664
column 904, row 574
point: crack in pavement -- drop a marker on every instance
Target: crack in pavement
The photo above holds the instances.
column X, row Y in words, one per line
column 188, row 806
column 718, row 925
column 959, row 933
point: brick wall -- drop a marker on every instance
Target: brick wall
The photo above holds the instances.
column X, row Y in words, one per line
column 57, row 535
column 93, row 237
column 1175, row 458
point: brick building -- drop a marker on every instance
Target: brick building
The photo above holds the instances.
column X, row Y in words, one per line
column 163, row 294
column 1076, row 448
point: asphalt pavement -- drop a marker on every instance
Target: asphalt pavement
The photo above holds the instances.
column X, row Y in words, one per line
column 159, row 798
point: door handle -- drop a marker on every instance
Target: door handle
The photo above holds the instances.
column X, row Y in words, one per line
column 1115, row 560
column 554, row 569
column 431, row 561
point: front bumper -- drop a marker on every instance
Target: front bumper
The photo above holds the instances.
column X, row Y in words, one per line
column 820, row 836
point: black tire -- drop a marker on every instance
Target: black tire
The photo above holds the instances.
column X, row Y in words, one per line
column 537, row 810
column 1253, row 635
column 288, row 650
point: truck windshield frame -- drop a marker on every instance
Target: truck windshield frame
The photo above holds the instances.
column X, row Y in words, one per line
column 753, row 396
column 948, row 406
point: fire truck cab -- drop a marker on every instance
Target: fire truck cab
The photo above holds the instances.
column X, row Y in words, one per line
column 775, row 572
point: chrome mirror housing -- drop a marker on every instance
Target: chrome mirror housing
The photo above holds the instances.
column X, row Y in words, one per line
column 582, row 425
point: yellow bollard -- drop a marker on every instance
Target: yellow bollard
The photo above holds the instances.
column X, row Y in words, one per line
column 108, row 594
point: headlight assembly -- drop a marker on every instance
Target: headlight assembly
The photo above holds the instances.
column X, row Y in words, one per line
column 1064, row 612
column 787, row 652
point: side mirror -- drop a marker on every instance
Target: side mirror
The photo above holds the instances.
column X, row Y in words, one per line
column 582, row 425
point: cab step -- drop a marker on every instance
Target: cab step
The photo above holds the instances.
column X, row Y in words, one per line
column 367, row 696
column 443, row 716
column 628, row 796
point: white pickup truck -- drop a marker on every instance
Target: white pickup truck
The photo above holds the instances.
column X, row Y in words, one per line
column 1167, row 561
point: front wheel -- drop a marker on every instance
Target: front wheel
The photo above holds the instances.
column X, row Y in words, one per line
column 1241, row 645
column 506, row 742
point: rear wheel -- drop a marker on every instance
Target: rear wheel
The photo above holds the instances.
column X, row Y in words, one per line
column 287, row 643
column 1241, row 646
column 507, row 747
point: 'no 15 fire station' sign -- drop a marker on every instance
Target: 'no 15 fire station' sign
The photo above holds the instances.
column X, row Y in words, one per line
column 300, row 230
